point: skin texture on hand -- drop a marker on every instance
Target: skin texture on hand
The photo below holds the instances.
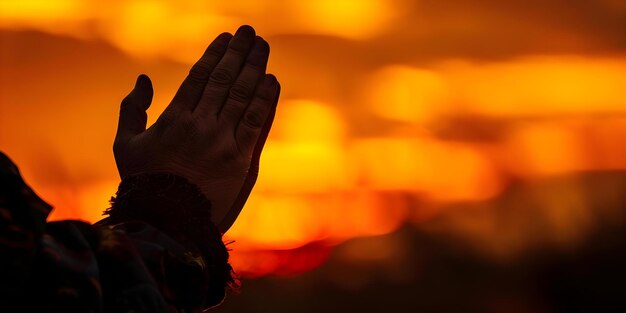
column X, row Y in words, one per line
column 214, row 129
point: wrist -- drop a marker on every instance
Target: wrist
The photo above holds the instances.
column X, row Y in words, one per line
column 165, row 200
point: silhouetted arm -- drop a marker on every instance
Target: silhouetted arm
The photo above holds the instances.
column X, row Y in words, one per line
column 184, row 181
column 123, row 263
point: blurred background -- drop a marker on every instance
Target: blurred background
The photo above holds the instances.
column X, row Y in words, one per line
column 427, row 156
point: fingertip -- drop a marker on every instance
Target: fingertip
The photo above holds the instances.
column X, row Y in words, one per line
column 275, row 87
column 224, row 37
column 259, row 54
column 270, row 88
column 218, row 46
column 143, row 91
column 143, row 81
column 270, row 80
column 243, row 40
column 246, row 31
column 139, row 80
column 262, row 44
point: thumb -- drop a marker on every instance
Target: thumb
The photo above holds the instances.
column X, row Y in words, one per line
column 133, row 117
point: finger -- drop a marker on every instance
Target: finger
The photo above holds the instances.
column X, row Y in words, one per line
column 192, row 87
column 232, row 214
column 251, row 124
column 262, row 138
column 225, row 73
column 133, row 117
column 243, row 89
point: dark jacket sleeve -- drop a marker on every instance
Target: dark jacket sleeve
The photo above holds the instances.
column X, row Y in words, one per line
column 157, row 251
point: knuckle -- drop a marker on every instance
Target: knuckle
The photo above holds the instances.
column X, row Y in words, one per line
column 267, row 94
column 213, row 93
column 241, row 91
column 221, row 76
column 193, row 86
column 257, row 67
column 253, row 119
column 215, row 51
column 238, row 47
column 200, row 70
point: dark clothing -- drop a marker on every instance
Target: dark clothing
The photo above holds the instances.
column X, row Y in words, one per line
column 157, row 251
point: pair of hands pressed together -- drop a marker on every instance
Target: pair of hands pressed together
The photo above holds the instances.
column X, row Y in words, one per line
column 214, row 129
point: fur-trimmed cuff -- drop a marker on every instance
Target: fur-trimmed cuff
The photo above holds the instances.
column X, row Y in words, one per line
column 167, row 201
column 175, row 206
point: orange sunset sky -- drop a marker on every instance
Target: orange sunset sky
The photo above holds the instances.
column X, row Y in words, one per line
column 392, row 112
